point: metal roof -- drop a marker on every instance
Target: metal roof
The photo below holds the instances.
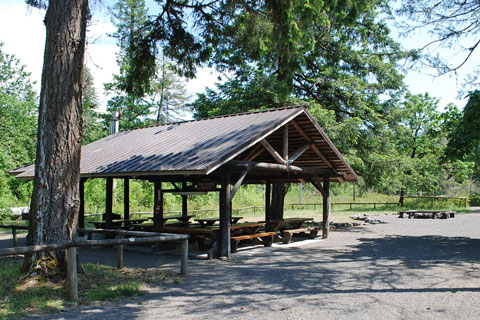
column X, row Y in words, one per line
column 192, row 147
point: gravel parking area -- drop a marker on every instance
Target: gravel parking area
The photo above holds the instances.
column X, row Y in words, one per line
column 400, row 269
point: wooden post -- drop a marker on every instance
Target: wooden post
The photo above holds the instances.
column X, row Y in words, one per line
column 126, row 200
column 120, row 254
column 72, row 285
column 109, row 203
column 285, row 143
column 326, row 207
column 15, row 238
column 81, row 210
column 268, row 211
column 158, row 222
column 225, row 218
column 184, row 258
column 184, row 200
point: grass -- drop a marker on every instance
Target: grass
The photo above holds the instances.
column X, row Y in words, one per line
column 20, row 296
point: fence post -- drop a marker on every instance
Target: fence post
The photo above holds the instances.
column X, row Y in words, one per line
column 72, row 280
column 120, row 254
column 184, row 258
column 15, row 238
column 374, row 205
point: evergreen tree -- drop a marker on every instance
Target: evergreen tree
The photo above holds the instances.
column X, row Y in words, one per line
column 164, row 98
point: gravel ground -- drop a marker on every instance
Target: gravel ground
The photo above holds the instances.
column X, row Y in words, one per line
column 401, row 269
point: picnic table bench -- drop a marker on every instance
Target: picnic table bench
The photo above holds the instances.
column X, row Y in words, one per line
column 211, row 221
column 289, row 226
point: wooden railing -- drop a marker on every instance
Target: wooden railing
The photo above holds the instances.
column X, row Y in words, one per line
column 71, row 247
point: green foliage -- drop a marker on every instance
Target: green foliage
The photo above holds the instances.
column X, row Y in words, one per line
column 464, row 132
column 92, row 127
column 18, row 120
column 165, row 95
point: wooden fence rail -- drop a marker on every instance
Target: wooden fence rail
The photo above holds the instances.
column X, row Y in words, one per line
column 71, row 247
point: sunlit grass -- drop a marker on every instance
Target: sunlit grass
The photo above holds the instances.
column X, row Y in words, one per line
column 21, row 297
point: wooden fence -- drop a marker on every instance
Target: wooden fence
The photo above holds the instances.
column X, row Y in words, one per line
column 71, row 247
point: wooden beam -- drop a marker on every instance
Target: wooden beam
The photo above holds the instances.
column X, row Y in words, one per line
column 314, row 146
column 256, row 150
column 272, row 151
column 174, row 185
column 238, row 183
column 298, row 153
column 250, row 165
column 316, row 183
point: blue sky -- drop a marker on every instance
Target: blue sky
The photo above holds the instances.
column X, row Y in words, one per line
column 23, row 34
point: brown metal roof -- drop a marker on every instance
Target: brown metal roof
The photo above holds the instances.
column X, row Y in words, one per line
column 195, row 147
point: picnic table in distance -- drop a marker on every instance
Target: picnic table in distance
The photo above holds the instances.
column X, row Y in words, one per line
column 118, row 222
column 211, row 221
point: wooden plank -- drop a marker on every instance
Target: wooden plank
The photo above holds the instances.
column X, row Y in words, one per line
column 272, row 151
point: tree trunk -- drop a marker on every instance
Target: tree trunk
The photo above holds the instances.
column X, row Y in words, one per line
column 278, row 200
column 55, row 200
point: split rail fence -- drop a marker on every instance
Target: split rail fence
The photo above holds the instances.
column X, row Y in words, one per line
column 71, row 248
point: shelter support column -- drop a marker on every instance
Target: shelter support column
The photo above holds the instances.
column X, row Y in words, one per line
column 158, row 222
column 326, row 207
column 184, row 200
column 109, row 203
column 268, row 210
column 225, row 218
column 126, row 200
column 81, row 211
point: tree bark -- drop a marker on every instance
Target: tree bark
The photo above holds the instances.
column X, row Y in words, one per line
column 55, row 200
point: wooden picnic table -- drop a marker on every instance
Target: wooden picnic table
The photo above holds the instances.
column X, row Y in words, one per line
column 205, row 222
column 206, row 236
column 442, row 214
column 118, row 222
column 287, row 223
column 289, row 226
